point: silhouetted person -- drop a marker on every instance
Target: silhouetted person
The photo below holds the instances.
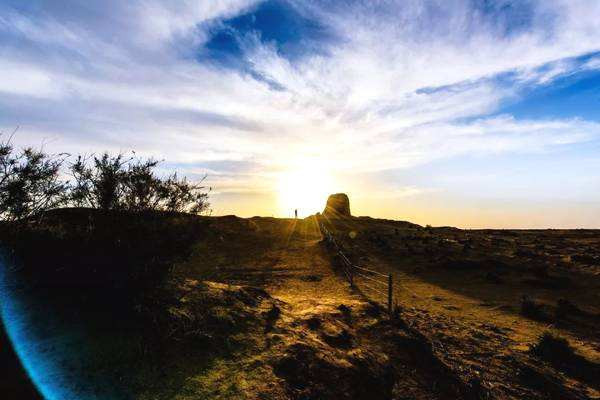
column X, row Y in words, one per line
column 296, row 213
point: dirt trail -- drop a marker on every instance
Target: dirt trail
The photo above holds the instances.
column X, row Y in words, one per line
column 310, row 285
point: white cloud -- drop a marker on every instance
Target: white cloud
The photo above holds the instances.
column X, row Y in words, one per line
column 27, row 80
column 392, row 91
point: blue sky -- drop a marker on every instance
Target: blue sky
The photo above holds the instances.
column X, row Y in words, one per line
column 466, row 113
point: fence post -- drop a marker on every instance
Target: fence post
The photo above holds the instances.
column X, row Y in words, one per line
column 390, row 293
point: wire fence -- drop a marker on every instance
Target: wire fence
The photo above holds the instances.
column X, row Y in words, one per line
column 378, row 282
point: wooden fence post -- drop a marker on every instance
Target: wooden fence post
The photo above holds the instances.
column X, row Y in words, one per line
column 390, row 293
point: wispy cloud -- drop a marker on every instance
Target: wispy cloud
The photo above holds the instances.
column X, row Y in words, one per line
column 367, row 86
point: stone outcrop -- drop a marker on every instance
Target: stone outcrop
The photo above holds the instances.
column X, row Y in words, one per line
column 338, row 205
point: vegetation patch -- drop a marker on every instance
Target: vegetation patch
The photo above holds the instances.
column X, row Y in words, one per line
column 557, row 351
column 534, row 310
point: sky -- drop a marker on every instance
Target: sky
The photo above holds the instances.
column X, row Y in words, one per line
column 452, row 112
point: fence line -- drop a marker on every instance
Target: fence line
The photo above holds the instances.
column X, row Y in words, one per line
column 351, row 271
column 370, row 271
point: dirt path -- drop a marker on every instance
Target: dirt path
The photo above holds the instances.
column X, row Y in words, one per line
column 310, row 285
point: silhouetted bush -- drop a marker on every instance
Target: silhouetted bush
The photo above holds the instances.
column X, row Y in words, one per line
column 179, row 195
column 553, row 348
column 558, row 352
column 116, row 183
column 29, row 182
column 142, row 189
column 100, row 185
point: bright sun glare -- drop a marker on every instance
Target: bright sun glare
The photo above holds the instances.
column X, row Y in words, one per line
column 304, row 188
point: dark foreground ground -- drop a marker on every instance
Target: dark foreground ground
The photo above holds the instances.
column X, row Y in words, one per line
column 259, row 308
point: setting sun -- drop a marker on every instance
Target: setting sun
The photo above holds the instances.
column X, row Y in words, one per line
column 304, row 188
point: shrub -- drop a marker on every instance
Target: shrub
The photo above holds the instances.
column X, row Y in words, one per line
column 553, row 348
column 100, row 185
column 558, row 352
column 117, row 183
column 30, row 185
column 532, row 309
column 29, row 182
column 142, row 189
column 179, row 195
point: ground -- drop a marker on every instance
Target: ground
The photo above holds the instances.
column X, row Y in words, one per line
column 262, row 309
column 326, row 340
column 464, row 307
column 464, row 290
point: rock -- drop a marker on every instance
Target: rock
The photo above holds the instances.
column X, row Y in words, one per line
column 338, row 205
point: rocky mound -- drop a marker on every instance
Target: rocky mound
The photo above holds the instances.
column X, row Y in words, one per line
column 338, row 205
